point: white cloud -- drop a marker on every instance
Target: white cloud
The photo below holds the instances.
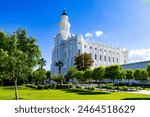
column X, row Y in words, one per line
column 98, row 33
column 88, row 35
column 139, row 55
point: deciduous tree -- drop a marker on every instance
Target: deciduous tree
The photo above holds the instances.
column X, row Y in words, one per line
column 98, row 74
column 129, row 75
column 79, row 77
column 22, row 55
column 88, row 75
column 114, row 72
column 83, row 61
column 141, row 75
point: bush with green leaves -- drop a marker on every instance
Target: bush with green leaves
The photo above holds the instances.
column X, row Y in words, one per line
column 139, row 88
column 40, row 87
column 108, row 86
column 46, row 86
column 31, row 85
column 64, row 86
column 124, row 88
column 79, row 87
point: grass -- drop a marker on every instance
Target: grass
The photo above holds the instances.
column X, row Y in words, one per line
column 147, row 89
column 7, row 93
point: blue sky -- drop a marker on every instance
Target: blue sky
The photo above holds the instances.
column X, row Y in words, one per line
column 122, row 23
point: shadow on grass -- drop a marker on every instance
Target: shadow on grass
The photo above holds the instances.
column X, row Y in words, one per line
column 136, row 99
column 85, row 92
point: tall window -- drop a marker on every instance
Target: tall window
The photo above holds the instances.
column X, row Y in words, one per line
column 104, row 58
column 113, row 59
column 95, row 57
column 100, row 57
column 79, row 51
column 109, row 58
column 117, row 60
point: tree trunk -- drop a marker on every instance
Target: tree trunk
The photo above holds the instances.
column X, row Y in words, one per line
column 99, row 84
column 59, row 70
column 113, row 85
column 143, row 86
column 89, row 82
column 1, row 82
column 118, row 85
column 128, row 83
column 15, row 81
column 16, row 90
column 61, row 81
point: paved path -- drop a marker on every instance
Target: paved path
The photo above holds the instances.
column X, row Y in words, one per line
column 141, row 92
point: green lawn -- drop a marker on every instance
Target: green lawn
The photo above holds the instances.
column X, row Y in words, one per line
column 7, row 93
column 147, row 89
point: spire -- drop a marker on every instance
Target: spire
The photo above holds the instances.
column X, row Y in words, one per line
column 64, row 12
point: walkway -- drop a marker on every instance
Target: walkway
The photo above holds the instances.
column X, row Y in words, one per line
column 141, row 92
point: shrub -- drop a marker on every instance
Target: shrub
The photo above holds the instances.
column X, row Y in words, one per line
column 108, row 86
column 40, row 87
column 64, row 86
column 79, row 87
column 58, row 86
column 46, row 87
column 125, row 88
column 67, row 86
column 31, row 85
column 52, row 86
column 131, row 88
column 90, row 88
column 139, row 88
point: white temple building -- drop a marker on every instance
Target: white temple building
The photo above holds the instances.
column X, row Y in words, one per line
column 68, row 45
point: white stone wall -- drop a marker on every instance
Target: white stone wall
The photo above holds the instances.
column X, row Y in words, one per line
column 68, row 49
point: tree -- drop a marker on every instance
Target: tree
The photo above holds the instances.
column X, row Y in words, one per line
column 141, row 75
column 129, row 74
column 148, row 69
column 79, row 76
column 88, row 74
column 59, row 64
column 3, row 63
column 58, row 78
column 39, row 75
column 71, row 73
column 17, row 62
column 48, row 75
column 114, row 72
column 98, row 74
column 28, row 45
column 83, row 61
column 22, row 55
column 41, row 63
column 3, row 56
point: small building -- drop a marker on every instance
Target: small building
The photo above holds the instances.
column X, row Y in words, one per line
column 136, row 65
